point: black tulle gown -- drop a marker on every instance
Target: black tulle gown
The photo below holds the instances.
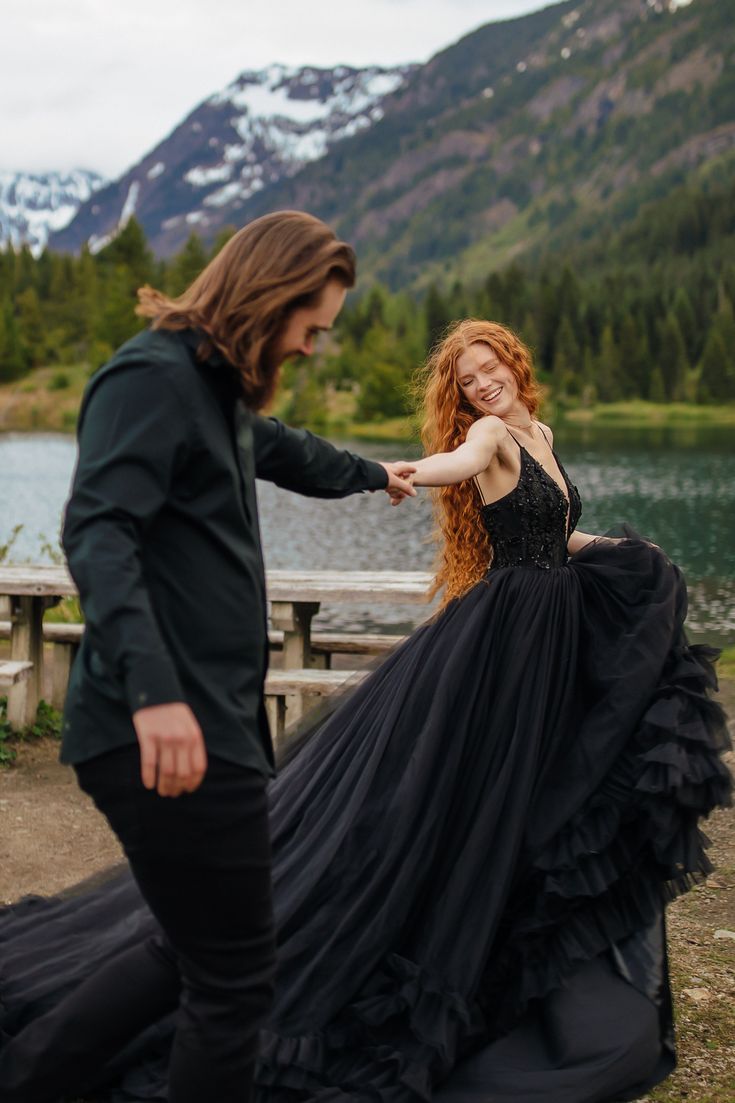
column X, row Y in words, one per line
column 473, row 851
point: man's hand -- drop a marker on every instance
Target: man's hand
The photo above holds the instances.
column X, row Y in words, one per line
column 400, row 484
column 173, row 758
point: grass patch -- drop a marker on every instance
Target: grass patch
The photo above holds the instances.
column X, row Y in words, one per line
column 47, row 725
column 638, row 412
column 46, row 399
column 396, row 429
column 68, row 611
column 726, row 663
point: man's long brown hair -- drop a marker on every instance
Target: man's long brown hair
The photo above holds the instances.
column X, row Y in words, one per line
column 242, row 300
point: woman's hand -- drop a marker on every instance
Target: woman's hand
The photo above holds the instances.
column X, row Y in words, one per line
column 400, row 481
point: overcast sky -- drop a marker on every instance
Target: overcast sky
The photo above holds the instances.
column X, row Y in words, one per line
column 96, row 83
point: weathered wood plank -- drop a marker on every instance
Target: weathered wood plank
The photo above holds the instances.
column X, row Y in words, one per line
column 53, row 632
column 302, row 586
column 324, row 643
column 312, row 683
column 11, row 673
column 32, row 580
column 353, row 643
column 26, row 645
column 405, row 587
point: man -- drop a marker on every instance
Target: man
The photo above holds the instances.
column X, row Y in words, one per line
column 166, row 696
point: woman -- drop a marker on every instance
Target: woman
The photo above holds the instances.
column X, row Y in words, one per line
column 473, row 851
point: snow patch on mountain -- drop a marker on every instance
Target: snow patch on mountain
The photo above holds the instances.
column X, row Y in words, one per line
column 263, row 126
column 32, row 205
column 286, row 117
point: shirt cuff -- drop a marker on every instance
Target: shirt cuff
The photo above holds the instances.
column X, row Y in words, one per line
column 152, row 681
column 377, row 476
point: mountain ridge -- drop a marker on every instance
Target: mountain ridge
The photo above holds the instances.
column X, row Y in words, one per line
column 524, row 137
column 262, row 127
column 33, row 204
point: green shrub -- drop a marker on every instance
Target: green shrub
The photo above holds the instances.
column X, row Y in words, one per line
column 59, row 381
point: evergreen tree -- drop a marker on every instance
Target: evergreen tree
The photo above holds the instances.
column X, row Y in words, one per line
column 724, row 322
column 685, row 316
column 13, row 362
column 87, row 299
column 306, row 406
column 656, row 392
column 31, row 327
column 609, row 386
column 128, row 252
column 528, row 333
column 567, row 369
column 384, row 377
column 186, row 266
column 25, row 270
column 716, row 371
column 568, row 296
column 547, row 319
column 672, row 359
column 437, row 314
column 634, row 365
column 118, row 321
column 589, row 393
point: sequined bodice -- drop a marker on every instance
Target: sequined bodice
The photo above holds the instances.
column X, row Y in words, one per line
column 529, row 526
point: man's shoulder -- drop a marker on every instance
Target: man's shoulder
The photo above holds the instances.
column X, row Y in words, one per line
column 154, row 354
column 153, row 347
column 154, row 363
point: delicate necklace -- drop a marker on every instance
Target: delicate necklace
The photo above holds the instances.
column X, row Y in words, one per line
column 529, row 426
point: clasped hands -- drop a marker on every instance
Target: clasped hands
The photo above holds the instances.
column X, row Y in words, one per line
column 400, row 481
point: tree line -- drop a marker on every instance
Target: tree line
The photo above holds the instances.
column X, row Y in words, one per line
column 647, row 316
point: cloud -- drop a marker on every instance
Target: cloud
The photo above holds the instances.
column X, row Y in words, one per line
column 94, row 84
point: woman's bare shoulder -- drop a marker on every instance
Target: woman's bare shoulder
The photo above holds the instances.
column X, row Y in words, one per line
column 489, row 427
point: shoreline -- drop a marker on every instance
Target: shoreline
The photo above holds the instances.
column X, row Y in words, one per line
column 48, row 400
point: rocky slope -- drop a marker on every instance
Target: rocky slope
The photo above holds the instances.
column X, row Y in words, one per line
column 261, row 129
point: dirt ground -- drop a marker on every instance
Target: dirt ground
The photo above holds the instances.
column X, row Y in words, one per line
column 51, row 836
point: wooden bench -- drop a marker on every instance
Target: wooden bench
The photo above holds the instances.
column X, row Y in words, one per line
column 11, row 673
column 28, row 590
column 66, row 639
column 304, row 685
column 326, row 644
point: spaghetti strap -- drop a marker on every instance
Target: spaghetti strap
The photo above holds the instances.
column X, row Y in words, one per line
column 476, row 481
column 544, row 436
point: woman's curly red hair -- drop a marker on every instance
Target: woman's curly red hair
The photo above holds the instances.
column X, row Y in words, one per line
column 466, row 549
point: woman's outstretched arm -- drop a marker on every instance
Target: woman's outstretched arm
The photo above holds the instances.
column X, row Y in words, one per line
column 466, row 461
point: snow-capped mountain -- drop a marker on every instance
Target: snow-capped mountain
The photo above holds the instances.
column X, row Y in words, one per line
column 263, row 127
column 32, row 205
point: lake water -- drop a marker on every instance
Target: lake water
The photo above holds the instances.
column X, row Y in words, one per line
column 677, row 486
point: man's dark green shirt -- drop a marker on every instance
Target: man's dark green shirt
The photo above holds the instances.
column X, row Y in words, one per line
column 162, row 539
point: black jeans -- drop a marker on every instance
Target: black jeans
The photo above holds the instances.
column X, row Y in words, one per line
column 202, row 862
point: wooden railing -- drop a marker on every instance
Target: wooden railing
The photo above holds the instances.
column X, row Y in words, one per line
column 295, row 598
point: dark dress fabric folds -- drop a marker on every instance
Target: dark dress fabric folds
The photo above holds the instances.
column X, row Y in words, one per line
column 473, row 850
